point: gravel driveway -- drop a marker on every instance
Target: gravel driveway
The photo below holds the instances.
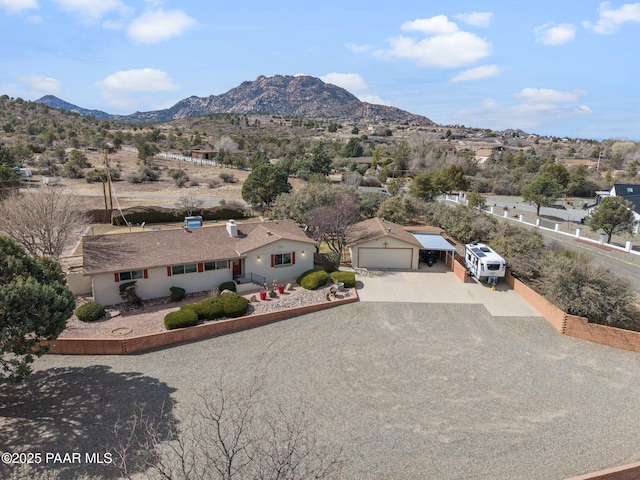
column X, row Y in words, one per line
column 415, row 391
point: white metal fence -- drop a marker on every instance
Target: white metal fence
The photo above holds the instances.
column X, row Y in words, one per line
column 628, row 248
column 175, row 156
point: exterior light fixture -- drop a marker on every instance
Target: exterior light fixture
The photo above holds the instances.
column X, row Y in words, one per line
column 258, row 257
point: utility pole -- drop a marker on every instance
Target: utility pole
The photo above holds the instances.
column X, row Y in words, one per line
column 106, row 163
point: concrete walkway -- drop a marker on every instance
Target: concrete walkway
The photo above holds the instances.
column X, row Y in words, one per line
column 437, row 285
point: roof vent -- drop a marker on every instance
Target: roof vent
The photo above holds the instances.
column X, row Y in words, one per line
column 268, row 232
column 232, row 228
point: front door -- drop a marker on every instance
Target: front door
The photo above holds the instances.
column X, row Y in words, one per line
column 237, row 267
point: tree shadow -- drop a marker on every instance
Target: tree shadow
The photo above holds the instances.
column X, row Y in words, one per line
column 75, row 410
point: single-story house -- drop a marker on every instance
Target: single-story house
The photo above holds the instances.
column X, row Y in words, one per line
column 628, row 191
column 377, row 243
column 204, row 154
column 196, row 259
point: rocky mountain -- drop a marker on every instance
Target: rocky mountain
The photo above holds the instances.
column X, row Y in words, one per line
column 55, row 102
column 297, row 96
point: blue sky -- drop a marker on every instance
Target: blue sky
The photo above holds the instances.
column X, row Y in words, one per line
column 564, row 68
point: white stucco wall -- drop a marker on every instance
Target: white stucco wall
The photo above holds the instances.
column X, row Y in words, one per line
column 106, row 289
column 380, row 244
column 78, row 283
column 282, row 274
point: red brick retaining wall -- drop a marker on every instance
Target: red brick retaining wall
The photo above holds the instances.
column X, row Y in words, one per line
column 123, row 346
column 459, row 269
column 628, row 472
column 574, row 326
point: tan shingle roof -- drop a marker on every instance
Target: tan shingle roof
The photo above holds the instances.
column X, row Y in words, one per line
column 135, row 251
column 375, row 228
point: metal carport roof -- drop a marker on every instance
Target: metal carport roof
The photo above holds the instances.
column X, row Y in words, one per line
column 433, row 242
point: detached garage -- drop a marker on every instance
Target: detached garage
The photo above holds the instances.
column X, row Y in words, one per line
column 376, row 243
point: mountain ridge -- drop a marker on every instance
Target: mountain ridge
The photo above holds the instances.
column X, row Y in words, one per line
column 297, row 96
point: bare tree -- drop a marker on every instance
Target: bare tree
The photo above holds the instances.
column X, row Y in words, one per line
column 333, row 222
column 42, row 220
column 352, row 179
column 190, row 204
column 227, row 144
column 230, row 435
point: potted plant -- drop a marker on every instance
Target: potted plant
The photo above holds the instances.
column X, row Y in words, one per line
column 263, row 293
column 280, row 289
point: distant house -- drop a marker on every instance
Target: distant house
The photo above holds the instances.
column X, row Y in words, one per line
column 574, row 162
column 630, row 192
column 204, row 154
column 483, row 155
column 196, row 259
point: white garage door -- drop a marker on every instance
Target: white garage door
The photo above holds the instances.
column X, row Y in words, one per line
column 384, row 257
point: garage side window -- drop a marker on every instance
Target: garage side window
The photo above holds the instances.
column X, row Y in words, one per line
column 283, row 259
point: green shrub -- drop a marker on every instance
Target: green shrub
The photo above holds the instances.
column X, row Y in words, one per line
column 348, row 278
column 313, row 279
column 177, row 293
column 128, row 293
column 227, row 286
column 209, row 309
column 90, row 312
column 234, row 305
column 167, row 215
column 184, row 317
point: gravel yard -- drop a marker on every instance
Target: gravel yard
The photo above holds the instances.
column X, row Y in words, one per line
column 409, row 391
column 150, row 319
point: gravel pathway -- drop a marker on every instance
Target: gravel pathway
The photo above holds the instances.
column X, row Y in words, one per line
column 410, row 391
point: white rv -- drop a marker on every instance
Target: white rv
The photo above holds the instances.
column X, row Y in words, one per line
column 483, row 263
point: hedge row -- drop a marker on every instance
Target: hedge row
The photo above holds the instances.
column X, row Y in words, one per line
column 168, row 215
column 313, row 279
column 230, row 306
column 348, row 278
column 90, row 312
column 180, row 319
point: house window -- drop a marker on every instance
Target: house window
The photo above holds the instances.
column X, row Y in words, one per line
column 282, row 259
column 219, row 265
column 130, row 275
column 188, row 268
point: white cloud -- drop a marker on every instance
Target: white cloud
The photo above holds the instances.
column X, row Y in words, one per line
column 477, row 73
column 477, row 19
column 138, row 80
column 92, row 9
column 438, row 25
column 534, row 108
column 441, row 45
column 374, row 99
column 355, row 84
column 359, row 48
column 159, row 25
column 125, row 90
column 348, row 81
column 553, row 35
column 15, row 6
column 37, row 86
column 547, row 95
column 444, row 51
column 610, row 19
